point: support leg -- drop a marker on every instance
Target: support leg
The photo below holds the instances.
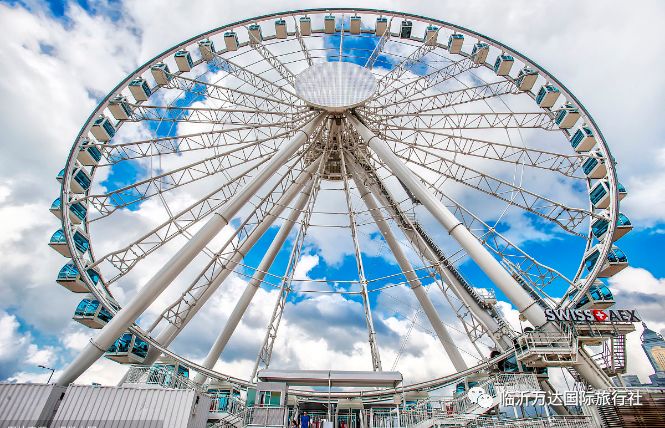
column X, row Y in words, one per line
column 254, row 284
column 163, row 278
column 412, row 278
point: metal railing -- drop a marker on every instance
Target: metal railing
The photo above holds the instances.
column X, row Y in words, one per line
column 161, row 376
column 266, row 416
column 542, row 422
column 550, row 348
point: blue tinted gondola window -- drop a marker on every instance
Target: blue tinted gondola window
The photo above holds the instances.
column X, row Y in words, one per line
column 68, row 271
column 82, row 307
column 58, row 237
column 622, row 220
column 589, row 165
column 599, row 227
column 93, row 275
column 140, row 347
column 81, row 242
column 617, row 256
column 104, row 315
column 122, row 343
column 108, row 127
column 60, row 175
column 56, row 205
column 621, row 188
column 591, row 260
column 598, row 193
column 82, row 178
column 79, row 210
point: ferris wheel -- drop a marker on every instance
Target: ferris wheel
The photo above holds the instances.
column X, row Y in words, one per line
column 377, row 134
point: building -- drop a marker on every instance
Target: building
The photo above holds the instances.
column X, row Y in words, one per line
column 654, row 346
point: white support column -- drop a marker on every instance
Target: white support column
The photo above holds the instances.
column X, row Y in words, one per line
column 412, row 278
column 171, row 331
column 254, row 284
column 126, row 316
column 479, row 254
column 416, row 240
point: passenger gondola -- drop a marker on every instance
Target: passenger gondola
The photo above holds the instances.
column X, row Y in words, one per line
column 102, row 129
column 354, row 24
column 255, row 34
column 89, row 154
column 599, row 227
column 119, row 108
column 583, row 140
column 479, row 52
column 381, row 26
column 128, row 349
column 207, row 49
column 280, row 29
column 305, row 26
column 91, row 313
column 594, row 167
column 231, row 41
column 600, row 194
column 140, row 89
column 70, row 278
column 329, row 24
column 615, row 262
column 183, row 60
column 503, row 64
column 405, row 29
column 59, row 243
column 161, row 73
column 455, row 42
column 567, row 116
column 547, row 96
column 598, row 296
column 526, row 78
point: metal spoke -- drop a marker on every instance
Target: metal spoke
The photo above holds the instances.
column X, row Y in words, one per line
column 218, row 116
column 219, row 138
column 271, row 59
column 423, row 83
column 444, row 100
column 373, row 345
column 301, row 41
column 467, row 120
column 395, row 75
column 236, row 97
column 107, row 203
column 568, row 218
column 124, row 259
column 255, row 81
column 231, row 253
column 379, row 46
column 428, row 141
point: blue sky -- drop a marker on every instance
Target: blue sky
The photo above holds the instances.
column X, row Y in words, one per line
column 119, row 35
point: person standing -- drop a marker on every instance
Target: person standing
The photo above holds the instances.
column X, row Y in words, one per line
column 304, row 420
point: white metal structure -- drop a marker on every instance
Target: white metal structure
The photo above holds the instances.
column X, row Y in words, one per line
column 312, row 121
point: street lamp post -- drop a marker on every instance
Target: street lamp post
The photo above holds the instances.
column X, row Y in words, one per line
column 48, row 368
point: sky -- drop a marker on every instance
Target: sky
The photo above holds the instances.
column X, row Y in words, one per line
column 59, row 58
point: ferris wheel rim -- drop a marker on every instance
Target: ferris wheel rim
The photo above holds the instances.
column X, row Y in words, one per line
column 68, row 227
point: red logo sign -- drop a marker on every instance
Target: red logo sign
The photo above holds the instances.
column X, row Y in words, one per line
column 599, row 315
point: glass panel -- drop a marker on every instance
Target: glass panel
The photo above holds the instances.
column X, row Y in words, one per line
column 81, row 307
column 599, row 227
column 81, row 242
column 93, row 275
column 56, row 204
column 591, row 260
column 58, row 237
column 597, row 193
column 589, row 164
column 140, row 347
column 68, row 271
column 82, row 178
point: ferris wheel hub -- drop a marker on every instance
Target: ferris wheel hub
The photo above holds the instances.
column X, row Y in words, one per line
column 335, row 86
